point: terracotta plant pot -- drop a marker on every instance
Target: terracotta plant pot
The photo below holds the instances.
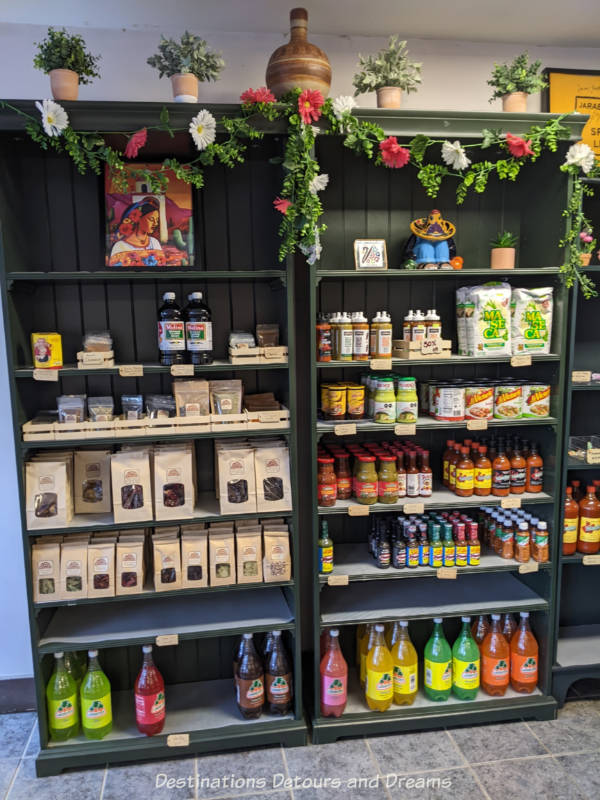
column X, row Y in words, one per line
column 503, row 258
column 585, row 259
column 389, row 97
column 298, row 63
column 64, row 84
column 185, row 87
column 515, row 101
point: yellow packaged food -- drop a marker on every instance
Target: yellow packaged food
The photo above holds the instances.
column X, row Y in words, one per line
column 356, row 400
column 46, row 349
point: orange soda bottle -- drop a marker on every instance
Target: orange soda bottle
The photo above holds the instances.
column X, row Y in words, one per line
column 524, row 657
column 495, row 660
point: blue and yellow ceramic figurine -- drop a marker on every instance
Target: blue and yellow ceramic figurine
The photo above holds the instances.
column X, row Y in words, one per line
column 431, row 245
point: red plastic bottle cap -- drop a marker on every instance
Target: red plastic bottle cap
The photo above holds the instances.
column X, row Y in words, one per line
column 325, row 460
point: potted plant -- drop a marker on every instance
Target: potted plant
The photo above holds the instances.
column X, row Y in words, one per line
column 503, row 251
column 66, row 59
column 586, row 245
column 388, row 73
column 186, row 62
column 513, row 82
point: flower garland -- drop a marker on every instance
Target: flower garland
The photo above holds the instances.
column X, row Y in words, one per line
column 299, row 202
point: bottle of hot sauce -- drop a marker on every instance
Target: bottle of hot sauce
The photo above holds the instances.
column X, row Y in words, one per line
column 570, row 524
column 413, row 479
column 577, row 493
column 483, row 473
column 445, row 461
column 588, row 541
column 501, row 472
column 401, row 474
column 464, row 474
column 425, row 476
column 535, row 470
column 518, row 472
column 452, row 462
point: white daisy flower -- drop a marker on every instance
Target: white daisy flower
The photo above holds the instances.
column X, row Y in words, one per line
column 581, row 155
column 313, row 251
column 453, row 154
column 318, row 183
column 341, row 104
column 54, row 118
column 203, row 129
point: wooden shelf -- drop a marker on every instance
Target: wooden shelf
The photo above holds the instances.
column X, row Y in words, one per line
column 428, row 423
column 578, row 646
column 71, row 370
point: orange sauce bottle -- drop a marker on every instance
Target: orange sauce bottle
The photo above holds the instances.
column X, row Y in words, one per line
column 518, row 472
column 464, row 474
column 501, row 472
column 588, row 541
column 482, row 486
column 570, row 524
column 535, row 470
column 495, row 660
column 445, row 461
column 452, row 462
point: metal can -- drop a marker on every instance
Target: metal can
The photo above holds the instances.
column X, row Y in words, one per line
column 508, row 401
column 479, row 401
column 536, row 400
column 356, row 400
column 337, row 401
column 449, row 403
column 325, row 399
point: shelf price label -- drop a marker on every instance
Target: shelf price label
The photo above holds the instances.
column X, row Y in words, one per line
column 382, row 364
column 592, row 456
column 521, row 361
column 414, row 508
column 529, row 566
column 431, row 347
column 167, row 639
column 591, row 561
column 358, row 510
column 405, row 429
column 477, row 424
column 182, row 370
column 447, row 573
column 349, row 429
column 581, row 376
column 45, row 374
column 131, row 370
column 510, row 502
column 178, row 740
column 338, row 580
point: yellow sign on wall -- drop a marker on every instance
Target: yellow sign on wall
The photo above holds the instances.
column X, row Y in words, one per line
column 571, row 91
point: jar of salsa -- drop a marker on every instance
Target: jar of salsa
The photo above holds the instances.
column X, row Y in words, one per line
column 326, row 482
column 366, row 481
column 343, row 476
column 387, row 479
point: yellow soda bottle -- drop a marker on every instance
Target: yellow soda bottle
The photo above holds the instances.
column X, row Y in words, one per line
column 360, row 632
column 365, row 645
column 406, row 667
column 392, row 632
column 379, row 689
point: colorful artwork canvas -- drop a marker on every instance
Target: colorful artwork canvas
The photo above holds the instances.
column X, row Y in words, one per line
column 145, row 228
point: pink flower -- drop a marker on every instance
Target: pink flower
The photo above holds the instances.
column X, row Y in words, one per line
column 309, row 105
column 282, row 204
column 135, row 143
column 393, row 154
column 518, row 147
column 585, row 237
column 261, row 95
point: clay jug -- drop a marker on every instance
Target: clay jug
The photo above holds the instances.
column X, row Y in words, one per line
column 298, row 63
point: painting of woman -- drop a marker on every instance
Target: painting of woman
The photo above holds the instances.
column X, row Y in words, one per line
column 139, row 221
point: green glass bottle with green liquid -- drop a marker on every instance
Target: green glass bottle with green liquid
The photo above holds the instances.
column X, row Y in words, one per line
column 465, row 663
column 96, row 707
column 61, row 700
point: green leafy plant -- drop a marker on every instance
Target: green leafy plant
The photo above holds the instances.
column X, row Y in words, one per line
column 504, row 239
column 519, row 76
column 389, row 67
column 62, row 50
column 190, row 55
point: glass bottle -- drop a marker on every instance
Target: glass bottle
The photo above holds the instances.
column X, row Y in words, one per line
column 326, row 482
column 250, row 686
column 588, row 541
column 171, row 331
column 465, row 663
column 406, row 671
column 149, row 693
column 518, row 470
column 198, row 330
column 438, row 664
column 464, row 474
column 425, row 476
column 278, row 679
column 325, row 545
column 62, row 702
column 495, row 660
column 387, row 479
column 334, row 678
column 501, row 472
column 524, row 657
column 95, row 699
column 570, row 524
column 445, row 461
column 379, row 686
column 535, row 470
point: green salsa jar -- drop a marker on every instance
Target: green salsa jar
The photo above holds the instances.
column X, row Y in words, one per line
column 387, row 479
column 366, row 481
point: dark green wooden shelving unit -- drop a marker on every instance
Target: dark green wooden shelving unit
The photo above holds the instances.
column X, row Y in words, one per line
column 374, row 203
column 53, row 278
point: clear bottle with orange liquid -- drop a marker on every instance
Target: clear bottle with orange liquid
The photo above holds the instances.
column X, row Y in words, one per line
column 524, row 657
column 495, row 660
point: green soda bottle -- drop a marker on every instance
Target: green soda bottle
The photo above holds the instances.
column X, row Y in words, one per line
column 61, row 700
column 75, row 669
column 438, row 664
column 96, row 708
column 465, row 663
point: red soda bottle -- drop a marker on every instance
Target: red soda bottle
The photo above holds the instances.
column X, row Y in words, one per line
column 149, row 692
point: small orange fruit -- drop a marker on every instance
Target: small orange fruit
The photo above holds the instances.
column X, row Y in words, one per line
column 457, row 262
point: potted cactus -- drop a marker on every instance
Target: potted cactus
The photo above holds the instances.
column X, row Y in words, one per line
column 388, row 72
column 186, row 62
column 503, row 251
column 513, row 82
column 66, row 59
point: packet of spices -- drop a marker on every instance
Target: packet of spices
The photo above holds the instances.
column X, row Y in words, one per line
column 73, row 570
column 226, row 397
column 249, row 555
column 174, row 490
column 132, row 489
column 101, row 569
column 237, row 486
column 63, row 457
column 101, row 409
column 71, row 407
column 221, row 557
column 45, row 566
column 129, row 565
column 92, row 482
column 167, row 564
column 277, row 562
column 267, row 335
column 159, row 406
column 191, row 398
column 46, row 494
column 132, row 406
column 194, row 558
column 97, row 342
column 273, row 488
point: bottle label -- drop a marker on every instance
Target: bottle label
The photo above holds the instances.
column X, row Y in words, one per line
column 452, row 474
column 366, row 489
column 326, row 491
column 384, row 411
column 436, row 555
column 334, row 691
column 445, row 471
column 412, row 484
column 425, row 484
column 465, row 674
column 589, row 529
column 517, row 476
column 279, row 688
column 250, row 693
column 474, row 553
column 171, row 336
column 405, row 679
column 523, row 669
column 344, row 484
column 424, row 554
column 494, row 670
column 388, row 488
column 483, row 478
column 402, row 484
column 325, row 559
column 384, row 342
column 198, row 336
column 464, row 478
column 536, row 476
column 406, row 331
column 449, row 554
column 413, row 556
column 150, row 708
column 345, row 352
column 360, row 340
column 461, row 554
column 570, row 531
column 96, row 713
column 63, row 713
column 438, row 676
column 501, row 478
column 380, row 685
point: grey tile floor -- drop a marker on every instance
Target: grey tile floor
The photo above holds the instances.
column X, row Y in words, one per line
column 556, row 760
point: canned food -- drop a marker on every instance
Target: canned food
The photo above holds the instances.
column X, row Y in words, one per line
column 325, row 399
column 337, row 401
column 479, row 402
column 449, row 403
column 536, row 400
column 355, row 395
column 508, row 401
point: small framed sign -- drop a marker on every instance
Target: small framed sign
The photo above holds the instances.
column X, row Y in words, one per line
column 370, row 254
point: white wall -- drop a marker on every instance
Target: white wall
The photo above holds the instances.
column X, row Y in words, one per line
column 454, row 78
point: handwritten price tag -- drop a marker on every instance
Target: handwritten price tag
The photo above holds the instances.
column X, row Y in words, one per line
column 510, row 502
column 182, row 370
column 338, row 580
column 521, row 361
column 446, row 573
column 530, row 566
column 178, row 740
column 591, row 561
column 357, row 510
column 345, row 430
column 592, row 456
column 477, row 424
column 45, row 375
column 581, row 376
column 414, row 508
column 431, row 347
column 167, row 639
column 131, row 370
column 382, row 364
column 405, row 429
